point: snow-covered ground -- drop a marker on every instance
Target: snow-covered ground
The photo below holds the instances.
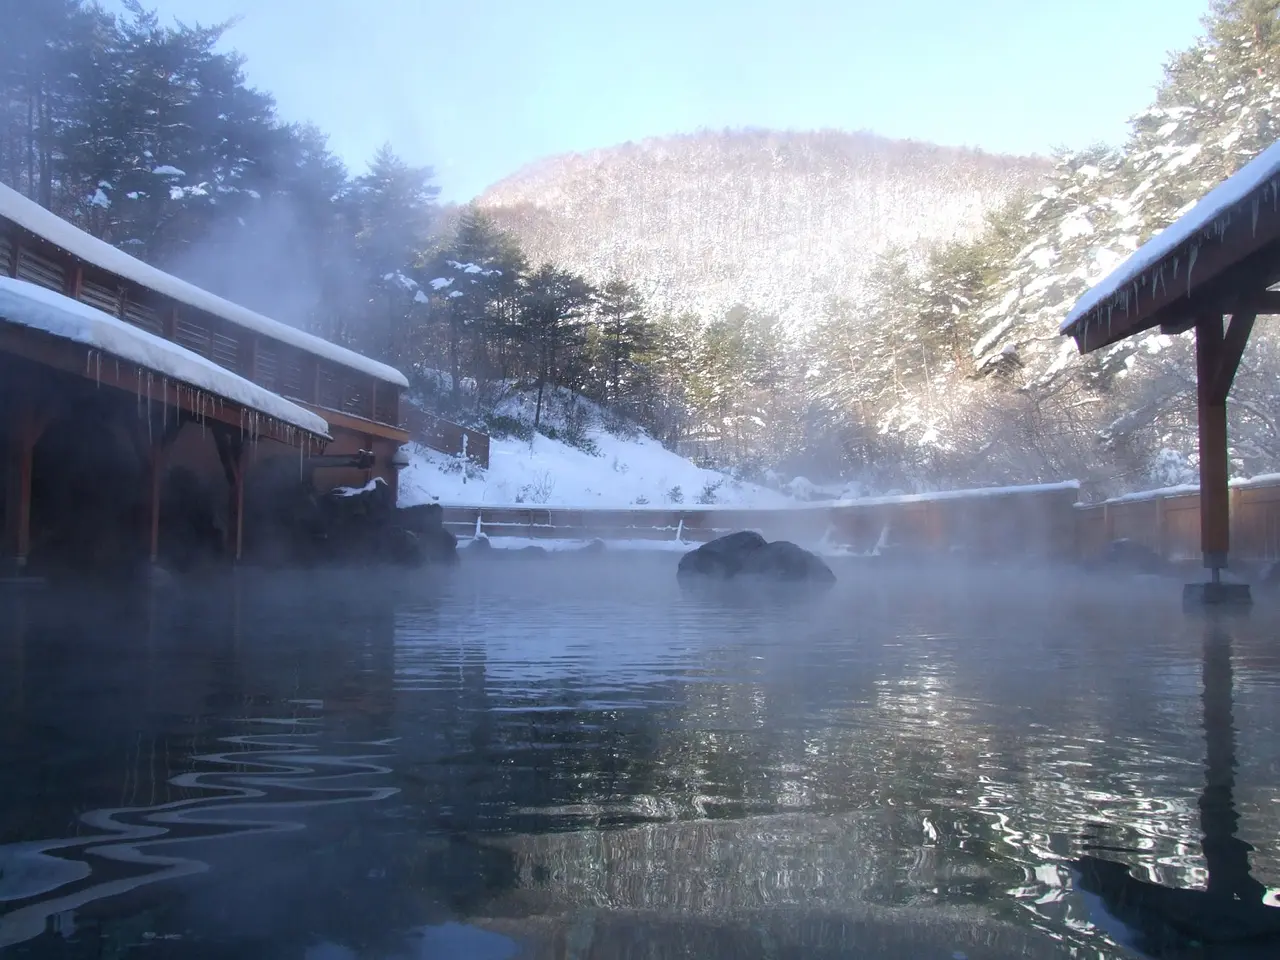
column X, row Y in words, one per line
column 626, row 472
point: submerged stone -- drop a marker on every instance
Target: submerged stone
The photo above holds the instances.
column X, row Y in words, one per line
column 747, row 554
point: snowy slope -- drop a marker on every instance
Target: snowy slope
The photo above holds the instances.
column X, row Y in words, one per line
column 546, row 471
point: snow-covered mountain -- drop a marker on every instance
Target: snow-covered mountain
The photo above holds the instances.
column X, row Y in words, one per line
column 779, row 221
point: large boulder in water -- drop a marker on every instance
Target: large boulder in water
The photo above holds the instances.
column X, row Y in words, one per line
column 747, row 554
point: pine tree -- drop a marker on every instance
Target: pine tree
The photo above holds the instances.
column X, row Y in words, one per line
column 553, row 310
column 626, row 334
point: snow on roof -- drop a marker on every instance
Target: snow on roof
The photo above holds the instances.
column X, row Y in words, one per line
column 35, row 218
column 28, row 305
column 1260, row 173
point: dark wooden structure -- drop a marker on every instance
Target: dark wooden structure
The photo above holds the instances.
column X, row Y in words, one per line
column 53, row 387
column 359, row 398
column 47, row 379
column 445, row 436
column 1210, row 271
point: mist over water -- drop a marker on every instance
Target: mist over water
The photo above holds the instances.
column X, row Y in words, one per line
column 523, row 752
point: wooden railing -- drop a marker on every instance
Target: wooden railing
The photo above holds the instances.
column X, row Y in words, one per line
column 444, row 436
column 1043, row 522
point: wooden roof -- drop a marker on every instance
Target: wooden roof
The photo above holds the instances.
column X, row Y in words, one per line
column 1219, row 258
column 46, row 225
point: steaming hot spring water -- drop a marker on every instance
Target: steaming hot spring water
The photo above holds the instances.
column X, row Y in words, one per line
column 573, row 757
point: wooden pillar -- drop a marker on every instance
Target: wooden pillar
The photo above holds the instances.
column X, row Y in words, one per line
column 1217, row 358
column 25, row 429
column 231, row 451
column 238, row 505
column 1215, row 529
column 1162, row 545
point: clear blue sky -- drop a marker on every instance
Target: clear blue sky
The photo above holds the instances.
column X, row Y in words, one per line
column 476, row 88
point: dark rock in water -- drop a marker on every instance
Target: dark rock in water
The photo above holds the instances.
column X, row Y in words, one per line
column 747, row 554
column 1132, row 555
column 482, row 546
column 424, row 518
column 289, row 524
column 721, row 558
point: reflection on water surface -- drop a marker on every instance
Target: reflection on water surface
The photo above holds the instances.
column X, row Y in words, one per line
column 572, row 759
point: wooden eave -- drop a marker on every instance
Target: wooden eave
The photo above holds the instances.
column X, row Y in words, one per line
column 342, row 420
column 1230, row 272
column 107, row 370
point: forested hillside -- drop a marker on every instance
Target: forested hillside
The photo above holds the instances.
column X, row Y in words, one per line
column 778, row 222
column 992, row 308
column 923, row 365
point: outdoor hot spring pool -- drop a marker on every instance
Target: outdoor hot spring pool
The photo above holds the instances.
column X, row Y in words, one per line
column 569, row 758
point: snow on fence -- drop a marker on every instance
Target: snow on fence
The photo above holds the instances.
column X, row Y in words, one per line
column 1044, row 521
column 445, row 436
column 1024, row 521
column 1168, row 521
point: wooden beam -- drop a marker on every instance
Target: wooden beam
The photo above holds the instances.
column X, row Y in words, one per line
column 1241, row 288
column 1233, row 344
column 1215, row 509
column 1243, row 244
column 346, row 421
column 1266, row 303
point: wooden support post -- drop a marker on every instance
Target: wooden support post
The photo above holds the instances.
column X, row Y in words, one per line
column 239, row 507
column 155, row 469
column 1215, row 530
column 1217, row 359
column 26, row 426
column 231, row 451
column 1162, row 544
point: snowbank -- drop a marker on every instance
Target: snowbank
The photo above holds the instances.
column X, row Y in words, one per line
column 28, row 305
column 35, row 218
column 550, row 472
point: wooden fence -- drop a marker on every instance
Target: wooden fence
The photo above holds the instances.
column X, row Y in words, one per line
column 1044, row 521
column 1168, row 522
column 1023, row 521
column 442, row 435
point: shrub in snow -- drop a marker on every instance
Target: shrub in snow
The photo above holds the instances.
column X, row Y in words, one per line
column 800, row 488
column 502, row 426
column 641, row 500
column 1169, row 468
column 710, row 491
column 675, row 495
column 538, row 491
